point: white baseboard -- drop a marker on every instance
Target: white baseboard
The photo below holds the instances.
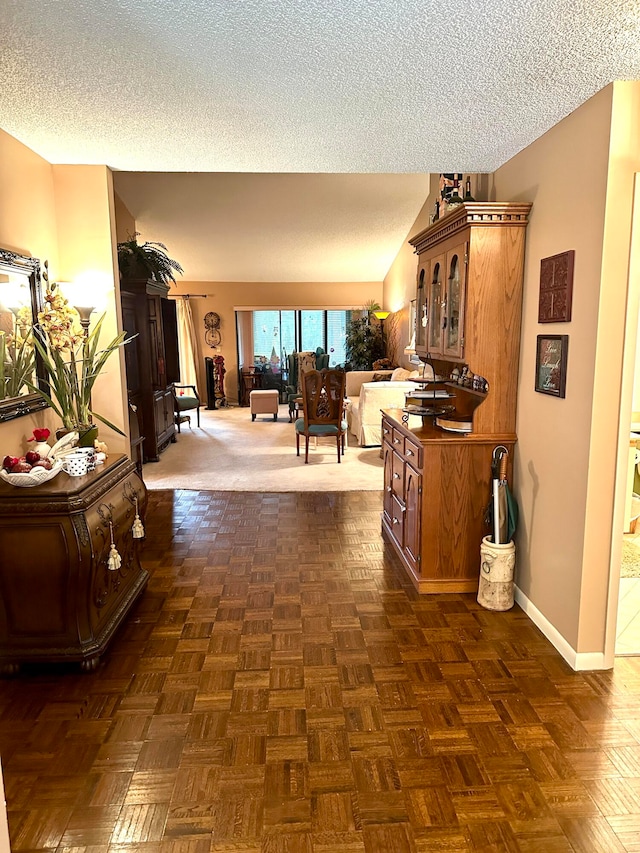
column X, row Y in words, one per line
column 579, row 661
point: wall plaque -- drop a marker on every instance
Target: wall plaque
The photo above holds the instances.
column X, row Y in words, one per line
column 556, row 288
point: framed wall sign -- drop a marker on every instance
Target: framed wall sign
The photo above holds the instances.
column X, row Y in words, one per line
column 556, row 288
column 551, row 364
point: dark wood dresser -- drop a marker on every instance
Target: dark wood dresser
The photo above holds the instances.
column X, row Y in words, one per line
column 59, row 601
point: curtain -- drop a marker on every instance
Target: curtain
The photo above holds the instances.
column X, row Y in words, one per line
column 186, row 343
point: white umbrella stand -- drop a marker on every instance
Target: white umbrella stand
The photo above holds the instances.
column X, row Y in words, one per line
column 497, row 557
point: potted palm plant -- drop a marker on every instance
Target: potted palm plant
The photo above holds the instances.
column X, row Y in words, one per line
column 364, row 342
column 146, row 260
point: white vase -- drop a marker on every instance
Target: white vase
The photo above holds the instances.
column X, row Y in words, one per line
column 42, row 448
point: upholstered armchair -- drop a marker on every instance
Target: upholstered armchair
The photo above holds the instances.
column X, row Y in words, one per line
column 318, row 360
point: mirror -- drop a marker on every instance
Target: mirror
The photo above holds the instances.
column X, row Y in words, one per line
column 20, row 301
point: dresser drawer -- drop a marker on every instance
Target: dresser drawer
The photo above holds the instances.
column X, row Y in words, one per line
column 387, row 431
column 413, row 452
column 397, row 520
column 397, row 476
column 397, row 441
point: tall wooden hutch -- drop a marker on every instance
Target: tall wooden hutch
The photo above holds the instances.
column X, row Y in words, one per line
column 151, row 360
column 437, row 482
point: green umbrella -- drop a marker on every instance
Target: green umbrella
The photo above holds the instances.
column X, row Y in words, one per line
column 502, row 512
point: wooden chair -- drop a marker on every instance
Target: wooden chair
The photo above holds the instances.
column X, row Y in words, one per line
column 322, row 400
column 183, row 403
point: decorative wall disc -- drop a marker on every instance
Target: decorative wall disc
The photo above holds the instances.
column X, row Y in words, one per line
column 212, row 337
column 212, row 320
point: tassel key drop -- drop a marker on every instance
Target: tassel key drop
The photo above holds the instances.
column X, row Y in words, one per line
column 137, row 530
column 115, row 560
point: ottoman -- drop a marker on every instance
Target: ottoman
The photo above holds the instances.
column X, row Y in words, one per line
column 264, row 403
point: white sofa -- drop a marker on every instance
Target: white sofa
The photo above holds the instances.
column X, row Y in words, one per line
column 367, row 398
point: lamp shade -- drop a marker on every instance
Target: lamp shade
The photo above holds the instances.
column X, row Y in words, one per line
column 381, row 315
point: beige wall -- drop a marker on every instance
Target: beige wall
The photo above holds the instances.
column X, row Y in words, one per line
column 86, row 234
column 225, row 297
column 567, row 449
column 569, row 459
column 125, row 223
column 63, row 214
column 28, row 227
column 400, row 281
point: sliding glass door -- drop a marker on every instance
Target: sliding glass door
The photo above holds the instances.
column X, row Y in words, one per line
column 278, row 333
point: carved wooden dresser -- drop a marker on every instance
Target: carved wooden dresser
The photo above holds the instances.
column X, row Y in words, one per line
column 59, row 600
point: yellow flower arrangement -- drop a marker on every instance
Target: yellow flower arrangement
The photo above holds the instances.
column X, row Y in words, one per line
column 72, row 360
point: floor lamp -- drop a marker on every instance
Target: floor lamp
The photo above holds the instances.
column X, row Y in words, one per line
column 382, row 316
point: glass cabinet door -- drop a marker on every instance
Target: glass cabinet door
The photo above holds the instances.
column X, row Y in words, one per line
column 454, row 303
column 435, row 297
column 421, row 314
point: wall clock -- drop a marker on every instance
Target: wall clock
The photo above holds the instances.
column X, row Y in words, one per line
column 212, row 320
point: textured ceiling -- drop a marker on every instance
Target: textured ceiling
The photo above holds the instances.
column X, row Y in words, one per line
column 297, row 86
column 303, row 85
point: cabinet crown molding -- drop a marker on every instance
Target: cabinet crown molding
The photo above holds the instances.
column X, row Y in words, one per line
column 485, row 213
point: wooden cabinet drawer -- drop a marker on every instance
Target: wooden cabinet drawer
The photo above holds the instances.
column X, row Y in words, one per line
column 397, row 440
column 388, row 481
column 413, row 452
column 397, row 476
column 397, row 520
column 387, row 431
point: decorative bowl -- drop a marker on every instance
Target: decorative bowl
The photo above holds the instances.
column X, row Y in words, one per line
column 36, row 477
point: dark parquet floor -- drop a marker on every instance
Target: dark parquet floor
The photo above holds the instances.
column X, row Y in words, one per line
column 281, row 688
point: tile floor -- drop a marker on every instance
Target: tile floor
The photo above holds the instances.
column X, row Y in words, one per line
column 628, row 628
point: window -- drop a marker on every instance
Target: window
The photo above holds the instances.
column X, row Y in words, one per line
column 266, row 336
column 336, row 336
column 312, row 328
column 278, row 333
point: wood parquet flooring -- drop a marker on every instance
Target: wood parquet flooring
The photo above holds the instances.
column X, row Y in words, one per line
column 281, row 688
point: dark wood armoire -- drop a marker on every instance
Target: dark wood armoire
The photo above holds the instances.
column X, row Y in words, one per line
column 151, row 360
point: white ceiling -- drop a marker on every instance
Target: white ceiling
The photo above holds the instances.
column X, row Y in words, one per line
column 380, row 86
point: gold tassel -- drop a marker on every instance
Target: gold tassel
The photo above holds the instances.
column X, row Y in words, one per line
column 137, row 529
column 115, row 560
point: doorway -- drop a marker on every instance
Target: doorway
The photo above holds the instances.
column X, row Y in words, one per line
column 627, row 596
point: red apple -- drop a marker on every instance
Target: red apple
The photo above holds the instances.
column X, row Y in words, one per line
column 21, row 467
column 9, row 461
column 32, row 457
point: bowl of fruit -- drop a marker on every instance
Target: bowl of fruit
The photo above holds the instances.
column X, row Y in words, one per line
column 29, row 470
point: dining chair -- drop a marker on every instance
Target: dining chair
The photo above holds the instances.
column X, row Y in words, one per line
column 323, row 409
column 185, row 402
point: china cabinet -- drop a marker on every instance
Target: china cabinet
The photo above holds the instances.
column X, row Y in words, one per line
column 437, row 481
column 471, row 266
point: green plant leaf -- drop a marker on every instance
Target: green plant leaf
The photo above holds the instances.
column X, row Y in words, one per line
column 146, row 260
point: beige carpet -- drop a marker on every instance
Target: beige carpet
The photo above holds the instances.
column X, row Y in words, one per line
column 230, row 453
